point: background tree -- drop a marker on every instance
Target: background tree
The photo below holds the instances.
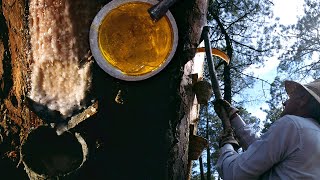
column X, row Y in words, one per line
column 244, row 30
column 301, row 59
column 275, row 103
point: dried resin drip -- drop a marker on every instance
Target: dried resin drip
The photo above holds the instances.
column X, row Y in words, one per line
column 59, row 40
column 132, row 42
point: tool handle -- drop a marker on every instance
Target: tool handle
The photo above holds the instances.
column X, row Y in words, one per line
column 214, row 80
column 160, row 9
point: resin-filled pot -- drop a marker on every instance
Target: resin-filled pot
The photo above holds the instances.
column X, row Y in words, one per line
column 127, row 44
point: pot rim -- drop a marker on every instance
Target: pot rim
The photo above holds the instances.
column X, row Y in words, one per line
column 30, row 169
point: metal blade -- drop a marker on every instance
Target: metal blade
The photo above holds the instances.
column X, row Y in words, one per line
column 216, row 52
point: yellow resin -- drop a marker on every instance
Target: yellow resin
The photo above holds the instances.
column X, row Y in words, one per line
column 132, row 42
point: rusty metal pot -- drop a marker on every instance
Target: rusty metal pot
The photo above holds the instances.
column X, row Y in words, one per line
column 127, row 44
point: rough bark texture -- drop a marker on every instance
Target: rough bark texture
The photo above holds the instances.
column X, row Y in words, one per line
column 144, row 137
column 15, row 118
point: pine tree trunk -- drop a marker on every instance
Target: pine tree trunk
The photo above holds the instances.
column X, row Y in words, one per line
column 208, row 152
column 144, row 137
column 201, row 168
column 227, row 83
column 226, row 72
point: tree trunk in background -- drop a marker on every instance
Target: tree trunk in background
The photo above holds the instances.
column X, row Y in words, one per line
column 146, row 137
column 226, row 70
column 227, row 83
column 201, row 168
column 208, row 149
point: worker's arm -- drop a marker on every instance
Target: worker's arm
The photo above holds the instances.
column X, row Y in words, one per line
column 273, row 147
column 244, row 134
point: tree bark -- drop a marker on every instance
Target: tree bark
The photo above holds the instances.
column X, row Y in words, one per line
column 227, row 83
column 208, row 149
column 145, row 137
column 15, row 117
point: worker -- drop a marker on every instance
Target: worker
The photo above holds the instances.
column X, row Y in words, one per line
column 290, row 149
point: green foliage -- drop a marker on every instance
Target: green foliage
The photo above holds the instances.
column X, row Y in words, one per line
column 278, row 96
column 197, row 177
column 243, row 22
column 301, row 58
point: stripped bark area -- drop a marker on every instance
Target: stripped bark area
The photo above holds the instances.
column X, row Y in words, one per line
column 58, row 45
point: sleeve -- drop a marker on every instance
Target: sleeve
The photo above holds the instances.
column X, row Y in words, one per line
column 273, row 147
column 244, row 134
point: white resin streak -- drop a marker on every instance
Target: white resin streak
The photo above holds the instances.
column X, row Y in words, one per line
column 57, row 79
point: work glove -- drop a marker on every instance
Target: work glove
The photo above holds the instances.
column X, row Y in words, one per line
column 224, row 109
column 227, row 137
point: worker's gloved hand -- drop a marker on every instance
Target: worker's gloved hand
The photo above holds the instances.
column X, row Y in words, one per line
column 224, row 109
column 227, row 137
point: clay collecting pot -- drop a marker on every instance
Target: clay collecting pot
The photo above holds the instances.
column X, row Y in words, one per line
column 196, row 145
column 203, row 91
column 46, row 155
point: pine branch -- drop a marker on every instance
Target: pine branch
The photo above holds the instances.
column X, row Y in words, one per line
column 253, row 77
column 239, row 19
column 252, row 48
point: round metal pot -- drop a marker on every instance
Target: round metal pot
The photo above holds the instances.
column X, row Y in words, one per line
column 127, row 44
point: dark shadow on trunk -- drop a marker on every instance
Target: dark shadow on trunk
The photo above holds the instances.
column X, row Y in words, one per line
column 6, row 69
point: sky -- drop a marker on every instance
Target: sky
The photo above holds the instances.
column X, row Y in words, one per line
column 287, row 11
